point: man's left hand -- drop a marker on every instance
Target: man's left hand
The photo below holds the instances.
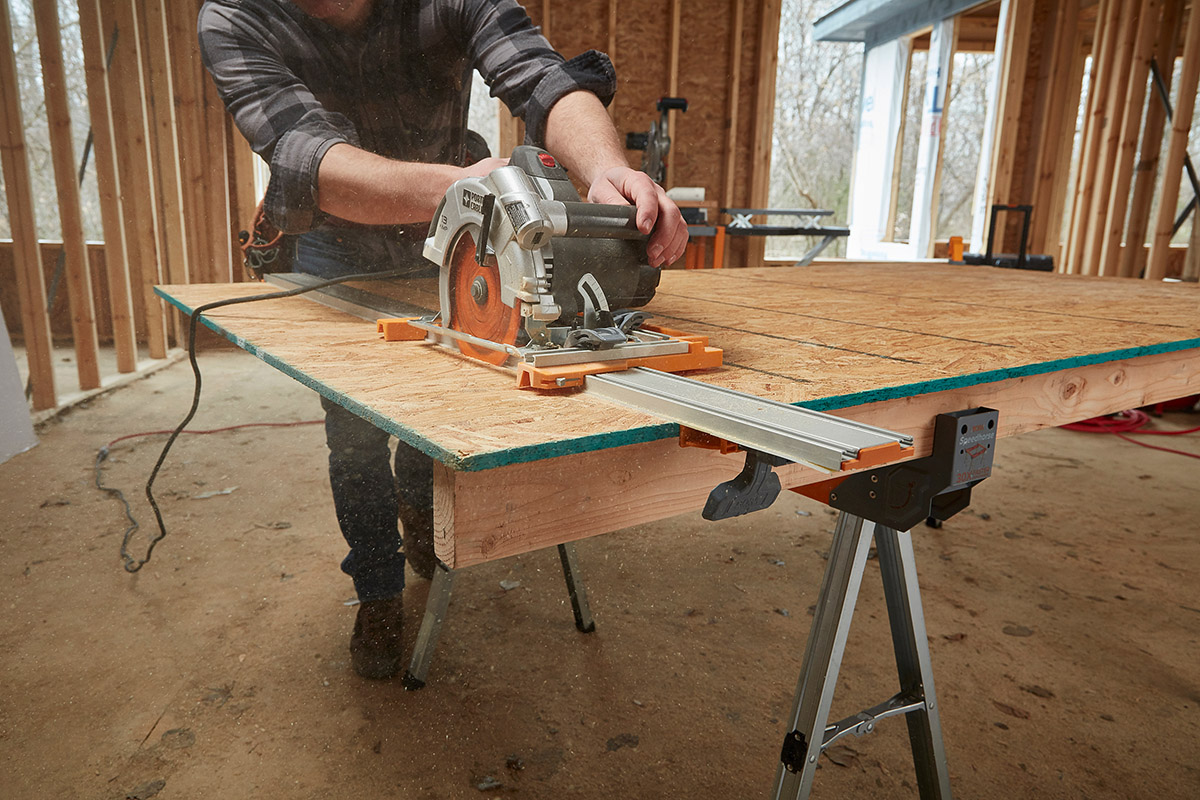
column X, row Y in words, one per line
column 657, row 214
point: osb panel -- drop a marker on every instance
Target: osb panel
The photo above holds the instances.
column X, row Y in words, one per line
column 830, row 337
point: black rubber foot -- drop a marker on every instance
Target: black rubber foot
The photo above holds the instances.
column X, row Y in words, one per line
column 933, row 522
column 411, row 684
column 589, row 628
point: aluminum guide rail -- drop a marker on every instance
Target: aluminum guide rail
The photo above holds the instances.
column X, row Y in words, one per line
column 790, row 432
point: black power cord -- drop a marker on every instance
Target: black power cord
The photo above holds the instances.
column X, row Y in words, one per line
column 131, row 564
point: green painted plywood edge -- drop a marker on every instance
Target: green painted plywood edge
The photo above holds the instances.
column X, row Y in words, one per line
column 495, row 459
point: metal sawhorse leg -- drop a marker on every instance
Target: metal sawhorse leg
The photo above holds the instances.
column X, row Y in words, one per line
column 810, row 733
column 438, row 603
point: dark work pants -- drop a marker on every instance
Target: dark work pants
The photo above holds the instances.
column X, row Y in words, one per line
column 366, row 495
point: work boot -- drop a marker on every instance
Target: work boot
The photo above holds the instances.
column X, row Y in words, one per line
column 376, row 647
column 418, row 540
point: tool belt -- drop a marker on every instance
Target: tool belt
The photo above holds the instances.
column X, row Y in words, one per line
column 266, row 249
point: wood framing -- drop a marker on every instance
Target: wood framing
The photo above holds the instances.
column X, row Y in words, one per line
column 1105, row 36
column 120, row 305
column 188, row 80
column 35, row 322
column 673, row 80
column 736, row 31
column 1008, row 109
column 764, row 120
column 66, row 183
column 1189, row 76
column 173, row 224
column 1114, row 98
column 142, row 233
column 1125, row 148
column 1058, row 134
column 1133, row 255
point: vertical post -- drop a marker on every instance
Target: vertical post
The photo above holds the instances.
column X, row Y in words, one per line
column 66, row 182
column 1103, row 42
column 1008, row 107
column 929, row 150
column 136, row 175
column 1133, row 256
column 1126, row 147
column 673, row 84
column 983, row 176
column 1058, row 132
column 764, row 119
column 187, row 79
column 1168, row 196
column 735, row 88
column 1109, row 144
column 27, row 257
column 216, row 185
column 116, row 267
column 170, row 207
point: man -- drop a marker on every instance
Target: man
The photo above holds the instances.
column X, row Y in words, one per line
column 360, row 108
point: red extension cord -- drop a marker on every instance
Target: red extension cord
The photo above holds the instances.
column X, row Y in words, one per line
column 1127, row 422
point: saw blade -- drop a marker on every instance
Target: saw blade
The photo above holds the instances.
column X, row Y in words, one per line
column 476, row 306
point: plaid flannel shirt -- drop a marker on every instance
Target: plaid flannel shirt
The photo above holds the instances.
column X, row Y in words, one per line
column 296, row 86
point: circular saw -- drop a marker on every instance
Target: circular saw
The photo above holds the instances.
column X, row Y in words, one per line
column 533, row 277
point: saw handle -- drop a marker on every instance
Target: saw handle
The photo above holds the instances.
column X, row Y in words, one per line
column 601, row 221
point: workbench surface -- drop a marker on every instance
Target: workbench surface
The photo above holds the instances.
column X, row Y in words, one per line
column 891, row 344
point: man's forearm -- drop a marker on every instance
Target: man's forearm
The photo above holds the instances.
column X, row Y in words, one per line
column 580, row 133
column 363, row 187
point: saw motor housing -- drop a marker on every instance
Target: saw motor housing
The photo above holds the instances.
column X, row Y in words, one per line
column 543, row 240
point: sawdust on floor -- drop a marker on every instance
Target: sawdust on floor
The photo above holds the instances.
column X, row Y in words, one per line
column 1062, row 613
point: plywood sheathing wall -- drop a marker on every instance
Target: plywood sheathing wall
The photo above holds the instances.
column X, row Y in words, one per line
column 643, row 39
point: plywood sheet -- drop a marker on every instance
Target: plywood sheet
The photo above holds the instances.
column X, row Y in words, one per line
column 827, row 337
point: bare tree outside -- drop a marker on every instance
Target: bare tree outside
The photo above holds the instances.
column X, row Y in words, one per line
column 33, row 111
column 816, row 113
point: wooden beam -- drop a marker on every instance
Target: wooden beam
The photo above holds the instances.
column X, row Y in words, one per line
column 1054, row 154
column 546, row 9
column 1133, row 256
column 1106, row 32
column 1008, row 111
column 1168, row 196
column 673, row 83
column 764, row 120
column 18, row 187
column 1126, row 147
column 243, row 202
column 95, row 50
column 1191, row 261
column 66, row 183
column 612, row 34
column 470, row 528
column 187, row 79
column 216, row 184
column 127, row 89
column 1114, row 98
column 738, row 9
column 166, row 133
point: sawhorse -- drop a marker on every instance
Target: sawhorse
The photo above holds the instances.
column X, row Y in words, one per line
column 438, row 603
column 896, row 497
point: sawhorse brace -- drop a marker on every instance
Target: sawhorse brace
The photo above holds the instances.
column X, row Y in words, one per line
column 809, row 734
column 438, row 603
